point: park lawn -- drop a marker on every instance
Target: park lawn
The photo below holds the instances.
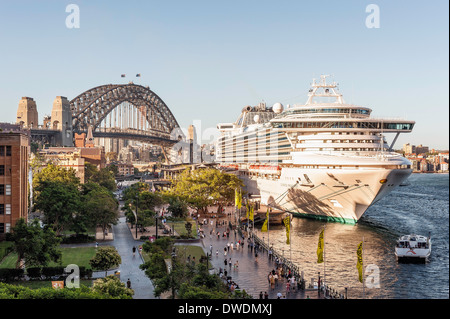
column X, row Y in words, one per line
column 180, row 228
column 190, row 250
column 77, row 255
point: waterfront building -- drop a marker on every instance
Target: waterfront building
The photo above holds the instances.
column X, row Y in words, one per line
column 14, row 152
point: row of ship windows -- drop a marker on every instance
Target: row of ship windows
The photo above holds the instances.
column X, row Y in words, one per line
column 328, row 110
column 267, row 151
column 359, row 125
column 337, row 149
column 254, row 139
column 253, row 146
column 337, row 141
column 255, row 155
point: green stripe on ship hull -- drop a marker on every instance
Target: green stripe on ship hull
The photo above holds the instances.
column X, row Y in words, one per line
column 341, row 220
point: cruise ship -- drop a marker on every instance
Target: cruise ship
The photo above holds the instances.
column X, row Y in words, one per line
column 324, row 159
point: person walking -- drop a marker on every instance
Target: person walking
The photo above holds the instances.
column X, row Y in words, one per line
column 134, row 251
column 129, row 283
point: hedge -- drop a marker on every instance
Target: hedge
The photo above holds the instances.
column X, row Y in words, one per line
column 36, row 273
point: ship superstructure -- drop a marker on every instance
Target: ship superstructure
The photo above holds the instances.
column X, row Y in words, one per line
column 322, row 159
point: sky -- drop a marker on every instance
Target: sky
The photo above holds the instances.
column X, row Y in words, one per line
column 209, row 59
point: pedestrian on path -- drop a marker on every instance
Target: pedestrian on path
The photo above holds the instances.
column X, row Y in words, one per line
column 134, row 251
column 128, row 283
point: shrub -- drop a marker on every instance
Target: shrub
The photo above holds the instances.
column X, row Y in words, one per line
column 34, row 272
column 10, row 274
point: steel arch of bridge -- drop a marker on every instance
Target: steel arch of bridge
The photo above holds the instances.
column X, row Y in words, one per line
column 91, row 107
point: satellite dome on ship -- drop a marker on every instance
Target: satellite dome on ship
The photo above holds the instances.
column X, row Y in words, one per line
column 277, row 108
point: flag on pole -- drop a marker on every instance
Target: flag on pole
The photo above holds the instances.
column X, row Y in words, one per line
column 320, row 248
column 238, row 198
column 251, row 213
column 287, row 224
column 359, row 264
column 264, row 226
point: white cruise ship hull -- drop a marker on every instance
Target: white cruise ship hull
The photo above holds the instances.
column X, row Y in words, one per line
column 333, row 194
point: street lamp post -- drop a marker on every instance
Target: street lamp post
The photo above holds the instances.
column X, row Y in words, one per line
column 156, row 225
column 137, row 204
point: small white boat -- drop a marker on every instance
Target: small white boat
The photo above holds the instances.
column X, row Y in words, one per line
column 413, row 248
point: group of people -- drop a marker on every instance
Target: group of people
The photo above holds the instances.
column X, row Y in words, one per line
column 274, row 277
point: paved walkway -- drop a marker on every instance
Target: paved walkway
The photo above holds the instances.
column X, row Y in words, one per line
column 250, row 275
column 129, row 268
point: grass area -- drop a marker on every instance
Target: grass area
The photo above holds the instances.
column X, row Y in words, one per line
column 4, row 245
column 193, row 251
column 180, row 227
column 78, row 255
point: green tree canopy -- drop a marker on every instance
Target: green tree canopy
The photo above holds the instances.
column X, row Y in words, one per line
column 105, row 258
column 35, row 246
column 204, row 187
column 100, row 207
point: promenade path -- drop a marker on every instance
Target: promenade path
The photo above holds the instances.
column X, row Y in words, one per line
column 129, row 268
column 250, row 275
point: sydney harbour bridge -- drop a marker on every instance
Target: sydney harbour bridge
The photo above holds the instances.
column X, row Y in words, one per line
column 115, row 111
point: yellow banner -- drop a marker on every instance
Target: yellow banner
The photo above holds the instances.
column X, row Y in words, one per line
column 359, row 264
column 238, row 198
column 239, row 205
column 251, row 213
column 287, row 224
column 320, row 248
column 266, row 222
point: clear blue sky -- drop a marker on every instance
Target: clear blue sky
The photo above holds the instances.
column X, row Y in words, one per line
column 208, row 59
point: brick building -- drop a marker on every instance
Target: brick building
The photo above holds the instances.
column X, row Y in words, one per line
column 14, row 152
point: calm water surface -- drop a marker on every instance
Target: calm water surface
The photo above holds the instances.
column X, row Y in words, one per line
column 421, row 207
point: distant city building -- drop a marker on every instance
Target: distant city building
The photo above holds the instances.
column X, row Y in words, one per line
column 14, row 152
column 125, row 169
column 66, row 157
column 409, row 149
column 420, row 149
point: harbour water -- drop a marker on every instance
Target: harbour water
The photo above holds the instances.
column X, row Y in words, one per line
column 422, row 207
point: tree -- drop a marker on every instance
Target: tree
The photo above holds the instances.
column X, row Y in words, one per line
column 56, row 194
column 104, row 177
column 177, row 206
column 100, row 207
column 204, row 187
column 34, row 245
column 105, row 258
column 60, row 202
column 112, row 286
